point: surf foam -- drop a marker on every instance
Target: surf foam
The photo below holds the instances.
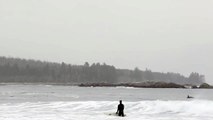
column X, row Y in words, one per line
column 92, row 110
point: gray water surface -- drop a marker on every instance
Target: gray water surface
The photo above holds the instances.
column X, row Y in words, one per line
column 42, row 93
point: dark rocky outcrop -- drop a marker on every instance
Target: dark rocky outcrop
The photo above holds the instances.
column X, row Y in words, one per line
column 205, row 85
column 138, row 85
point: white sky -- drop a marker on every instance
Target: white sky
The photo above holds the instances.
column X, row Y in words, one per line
column 163, row 35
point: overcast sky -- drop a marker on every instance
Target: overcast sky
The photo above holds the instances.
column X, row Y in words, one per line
column 163, row 35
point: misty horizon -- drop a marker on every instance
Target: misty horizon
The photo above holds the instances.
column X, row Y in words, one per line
column 15, row 70
column 90, row 63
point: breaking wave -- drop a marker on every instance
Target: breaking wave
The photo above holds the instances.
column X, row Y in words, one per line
column 100, row 110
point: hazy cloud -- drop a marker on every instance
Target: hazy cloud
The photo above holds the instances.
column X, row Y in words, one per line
column 166, row 35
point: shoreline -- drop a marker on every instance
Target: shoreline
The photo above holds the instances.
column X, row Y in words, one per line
column 133, row 85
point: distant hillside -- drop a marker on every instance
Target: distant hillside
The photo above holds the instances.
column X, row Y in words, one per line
column 32, row 71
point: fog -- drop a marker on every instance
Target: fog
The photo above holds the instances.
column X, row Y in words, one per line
column 165, row 35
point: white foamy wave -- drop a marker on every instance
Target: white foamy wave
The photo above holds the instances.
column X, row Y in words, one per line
column 92, row 110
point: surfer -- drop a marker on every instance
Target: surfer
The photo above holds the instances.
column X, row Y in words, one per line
column 189, row 97
column 120, row 110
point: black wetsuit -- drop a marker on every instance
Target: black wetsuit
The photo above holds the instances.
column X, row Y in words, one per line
column 121, row 109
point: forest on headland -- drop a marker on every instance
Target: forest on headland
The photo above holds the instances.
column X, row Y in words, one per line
column 16, row 70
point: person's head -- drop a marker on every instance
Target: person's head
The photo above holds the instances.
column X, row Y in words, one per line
column 120, row 101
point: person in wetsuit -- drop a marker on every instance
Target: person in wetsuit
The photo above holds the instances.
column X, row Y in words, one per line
column 120, row 110
column 189, row 97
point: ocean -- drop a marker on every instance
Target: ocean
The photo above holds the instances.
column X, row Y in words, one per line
column 52, row 102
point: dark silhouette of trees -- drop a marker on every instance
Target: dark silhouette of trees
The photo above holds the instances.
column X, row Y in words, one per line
column 31, row 71
column 196, row 79
column 148, row 74
column 136, row 74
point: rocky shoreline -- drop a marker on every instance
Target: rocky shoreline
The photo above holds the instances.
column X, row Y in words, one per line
column 146, row 85
column 136, row 85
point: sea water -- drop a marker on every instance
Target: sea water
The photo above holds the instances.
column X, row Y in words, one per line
column 48, row 102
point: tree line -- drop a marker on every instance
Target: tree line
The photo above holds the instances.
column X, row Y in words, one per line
column 32, row 71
